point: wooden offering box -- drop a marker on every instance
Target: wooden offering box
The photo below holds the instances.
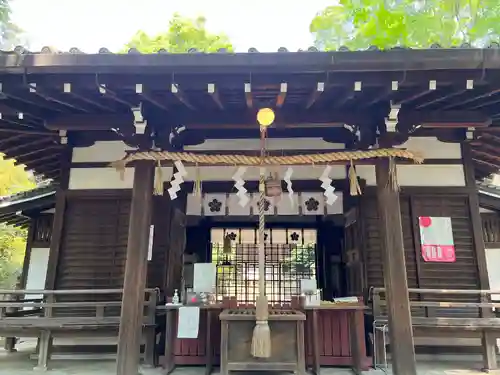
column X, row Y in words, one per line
column 287, row 341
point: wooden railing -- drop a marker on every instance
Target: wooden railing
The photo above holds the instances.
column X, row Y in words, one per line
column 56, row 312
column 437, row 311
column 491, row 229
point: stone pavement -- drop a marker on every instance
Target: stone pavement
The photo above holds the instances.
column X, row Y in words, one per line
column 20, row 364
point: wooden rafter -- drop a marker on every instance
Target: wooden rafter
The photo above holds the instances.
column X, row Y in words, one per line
column 214, row 94
column 179, row 94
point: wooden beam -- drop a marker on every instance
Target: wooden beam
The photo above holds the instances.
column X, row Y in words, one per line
column 132, row 314
column 248, row 95
column 488, row 341
column 320, row 88
column 214, row 94
column 91, row 122
column 58, row 222
column 280, row 99
column 395, row 277
column 179, row 94
column 241, row 119
column 139, row 89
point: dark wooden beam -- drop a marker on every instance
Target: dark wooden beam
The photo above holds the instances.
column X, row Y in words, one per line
column 54, row 98
column 91, row 122
column 248, row 95
column 68, row 91
column 431, row 89
column 23, row 130
column 486, row 93
column 488, row 341
column 132, row 312
column 106, row 92
column 140, row 90
column 320, row 88
column 28, row 145
column 179, row 94
column 280, row 99
column 395, row 277
column 214, row 94
column 29, row 156
column 237, row 119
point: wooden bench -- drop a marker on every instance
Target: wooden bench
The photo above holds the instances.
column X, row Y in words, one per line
column 65, row 318
column 439, row 312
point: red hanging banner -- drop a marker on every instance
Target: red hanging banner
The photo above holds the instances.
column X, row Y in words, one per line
column 436, row 238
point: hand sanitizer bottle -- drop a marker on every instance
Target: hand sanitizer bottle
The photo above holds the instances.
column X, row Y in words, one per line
column 175, row 298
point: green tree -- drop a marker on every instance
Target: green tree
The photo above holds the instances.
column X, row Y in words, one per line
column 13, row 179
column 359, row 24
column 10, row 34
column 182, row 34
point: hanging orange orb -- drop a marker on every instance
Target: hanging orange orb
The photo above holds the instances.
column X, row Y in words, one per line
column 265, row 117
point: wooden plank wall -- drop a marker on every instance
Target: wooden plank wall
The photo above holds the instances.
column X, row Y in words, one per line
column 94, row 240
column 462, row 274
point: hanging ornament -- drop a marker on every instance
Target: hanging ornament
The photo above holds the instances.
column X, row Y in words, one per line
column 158, row 187
column 329, row 193
column 178, row 179
column 273, row 185
column 265, row 117
column 197, row 183
column 288, row 180
column 355, row 189
column 239, row 184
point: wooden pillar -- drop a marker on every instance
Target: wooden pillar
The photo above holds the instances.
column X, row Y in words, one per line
column 396, row 284
column 132, row 313
column 488, row 340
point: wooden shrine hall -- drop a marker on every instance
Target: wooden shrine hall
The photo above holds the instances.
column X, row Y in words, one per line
column 331, row 194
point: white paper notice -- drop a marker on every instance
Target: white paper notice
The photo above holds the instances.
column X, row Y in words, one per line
column 150, row 243
column 204, row 277
column 189, row 322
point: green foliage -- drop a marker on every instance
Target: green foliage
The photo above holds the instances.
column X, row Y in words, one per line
column 13, row 179
column 359, row 24
column 10, row 34
column 12, row 248
column 183, row 33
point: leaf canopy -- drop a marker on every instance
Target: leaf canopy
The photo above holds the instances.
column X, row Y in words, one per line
column 359, row 24
column 182, row 35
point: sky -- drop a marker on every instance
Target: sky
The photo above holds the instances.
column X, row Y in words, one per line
column 91, row 24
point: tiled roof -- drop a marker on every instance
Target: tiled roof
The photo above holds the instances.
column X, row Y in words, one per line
column 42, row 190
column 103, row 50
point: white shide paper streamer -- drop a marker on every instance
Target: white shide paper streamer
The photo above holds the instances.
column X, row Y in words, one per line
column 329, row 193
column 177, row 180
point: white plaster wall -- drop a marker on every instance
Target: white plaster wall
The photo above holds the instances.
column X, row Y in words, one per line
column 108, row 151
column 432, row 148
column 109, row 178
column 493, row 266
column 408, row 175
column 419, row 175
column 37, row 270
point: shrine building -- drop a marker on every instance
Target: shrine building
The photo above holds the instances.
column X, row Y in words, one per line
column 155, row 160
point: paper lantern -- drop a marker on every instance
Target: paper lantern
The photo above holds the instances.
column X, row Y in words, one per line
column 265, row 117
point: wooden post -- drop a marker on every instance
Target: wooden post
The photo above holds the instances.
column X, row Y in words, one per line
column 488, row 341
column 132, row 312
column 396, row 284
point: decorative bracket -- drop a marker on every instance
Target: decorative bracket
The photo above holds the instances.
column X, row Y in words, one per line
column 139, row 122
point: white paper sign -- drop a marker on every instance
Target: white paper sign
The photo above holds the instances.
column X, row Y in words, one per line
column 204, row 277
column 189, row 322
column 150, row 243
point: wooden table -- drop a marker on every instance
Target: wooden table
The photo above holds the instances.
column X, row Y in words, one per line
column 171, row 313
column 287, row 341
column 355, row 313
